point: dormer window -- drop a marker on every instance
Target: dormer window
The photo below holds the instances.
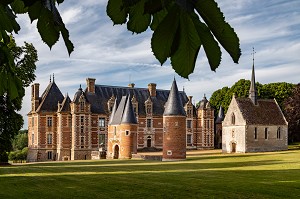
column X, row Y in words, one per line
column 82, row 105
column 149, row 109
column 135, row 105
column 110, row 104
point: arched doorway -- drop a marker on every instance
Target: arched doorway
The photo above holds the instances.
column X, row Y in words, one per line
column 233, row 147
column 116, row 152
column 149, row 141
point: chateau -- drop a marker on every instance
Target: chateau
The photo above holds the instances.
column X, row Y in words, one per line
column 63, row 129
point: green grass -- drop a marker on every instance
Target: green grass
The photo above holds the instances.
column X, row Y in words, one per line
column 207, row 174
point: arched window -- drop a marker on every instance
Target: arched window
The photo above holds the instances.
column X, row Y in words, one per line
column 233, row 119
column 278, row 133
column 82, row 105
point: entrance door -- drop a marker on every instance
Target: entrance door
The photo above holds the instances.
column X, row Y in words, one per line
column 116, row 152
column 149, row 141
column 233, row 147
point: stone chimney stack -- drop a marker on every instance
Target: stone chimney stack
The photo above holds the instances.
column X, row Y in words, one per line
column 131, row 85
column 152, row 89
column 90, row 83
column 35, row 92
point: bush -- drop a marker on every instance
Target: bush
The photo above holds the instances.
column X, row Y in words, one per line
column 3, row 157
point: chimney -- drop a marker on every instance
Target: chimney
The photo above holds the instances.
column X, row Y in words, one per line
column 90, row 84
column 190, row 98
column 131, row 85
column 35, row 89
column 152, row 89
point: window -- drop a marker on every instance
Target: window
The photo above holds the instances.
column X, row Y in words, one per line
column 49, row 121
column 49, row 154
column 233, row 119
column 82, row 105
column 208, row 139
column 115, row 130
column 149, row 109
column 149, row 123
column 278, row 133
column 32, row 121
column 82, row 129
column 101, row 122
column 189, row 139
column 32, row 138
column 127, row 133
column 82, row 119
column 49, row 138
column 102, row 139
column 82, row 141
column 255, row 133
column 189, row 124
column 266, row 133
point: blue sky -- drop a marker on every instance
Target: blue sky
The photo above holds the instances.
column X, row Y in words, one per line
column 115, row 56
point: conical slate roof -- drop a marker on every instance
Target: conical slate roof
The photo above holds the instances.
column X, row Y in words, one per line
column 128, row 115
column 113, row 112
column 65, row 106
column 221, row 116
column 174, row 105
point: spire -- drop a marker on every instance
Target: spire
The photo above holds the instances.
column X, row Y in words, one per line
column 128, row 115
column 252, row 90
column 174, row 105
column 113, row 112
column 50, row 78
column 53, row 77
column 220, row 116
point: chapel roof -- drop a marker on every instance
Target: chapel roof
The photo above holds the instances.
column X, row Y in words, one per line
column 266, row 112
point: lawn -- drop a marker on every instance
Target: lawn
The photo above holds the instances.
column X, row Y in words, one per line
column 205, row 174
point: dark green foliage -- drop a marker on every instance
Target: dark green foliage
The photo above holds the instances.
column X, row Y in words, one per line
column 20, row 141
column 178, row 31
column 11, row 122
column 19, row 155
column 279, row 91
column 292, row 114
column 49, row 25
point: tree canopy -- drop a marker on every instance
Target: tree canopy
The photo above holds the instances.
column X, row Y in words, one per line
column 292, row 114
column 280, row 91
column 180, row 28
column 11, row 122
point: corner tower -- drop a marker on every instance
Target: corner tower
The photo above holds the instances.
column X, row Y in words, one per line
column 174, row 120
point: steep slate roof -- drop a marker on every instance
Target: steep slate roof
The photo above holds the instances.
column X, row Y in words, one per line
column 103, row 93
column 128, row 115
column 266, row 112
column 49, row 99
column 65, row 106
column 174, row 105
column 78, row 94
column 220, row 116
column 117, row 116
column 114, row 109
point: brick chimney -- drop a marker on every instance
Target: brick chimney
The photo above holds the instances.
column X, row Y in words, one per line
column 90, row 84
column 152, row 89
column 131, row 85
column 35, row 92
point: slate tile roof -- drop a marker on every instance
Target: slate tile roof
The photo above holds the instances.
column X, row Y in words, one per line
column 266, row 112
column 103, row 93
column 50, row 98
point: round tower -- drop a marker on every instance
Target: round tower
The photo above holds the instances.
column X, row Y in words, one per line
column 174, row 120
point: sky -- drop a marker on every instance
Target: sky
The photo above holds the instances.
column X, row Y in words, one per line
column 114, row 56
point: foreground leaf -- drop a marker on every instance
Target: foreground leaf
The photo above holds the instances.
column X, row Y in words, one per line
column 116, row 11
column 224, row 33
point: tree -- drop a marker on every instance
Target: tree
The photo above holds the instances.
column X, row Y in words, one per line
column 20, row 141
column 292, row 114
column 279, row 91
column 178, row 31
column 10, row 121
